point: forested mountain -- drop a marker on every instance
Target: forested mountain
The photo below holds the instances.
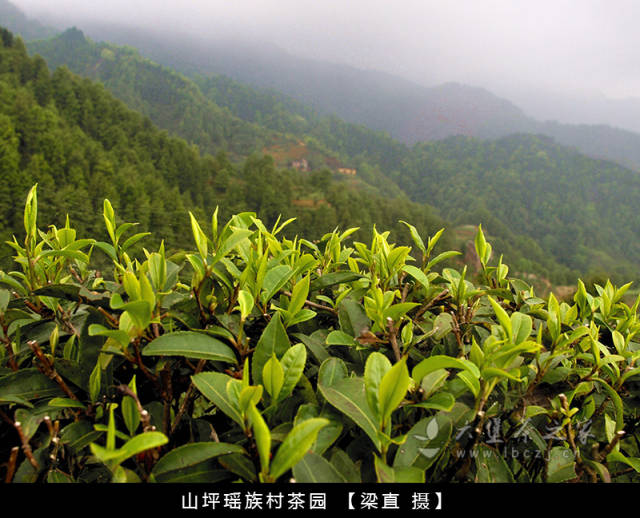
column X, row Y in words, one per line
column 407, row 111
column 80, row 144
column 169, row 99
column 583, row 212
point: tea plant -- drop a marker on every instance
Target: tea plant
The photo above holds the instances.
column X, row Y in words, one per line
column 258, row 358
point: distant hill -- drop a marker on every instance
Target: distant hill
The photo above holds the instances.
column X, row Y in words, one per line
column 228, row 119
column 16, row 21
column 407, row 111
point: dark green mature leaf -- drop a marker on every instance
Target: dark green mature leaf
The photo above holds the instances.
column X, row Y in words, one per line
column 331, row 279
column 58, row 477
column 31, row 418
column 78, row 435
column 490, row 466
column 340, row 338
column 343, row 463
column 214, row 387
column 190, row 345
column 348, row 395
column 293, row 363
column 240, row 465
column 60, row 291
column 424, row 443
column 440, row 401
column 386, row 474
column 28, row 384
column 434, row 363
column 331, row 371
column 352, row 317
column 314, row 468
column 175, row 465
column 562, row 466
column 315, row 343
column 328, row 434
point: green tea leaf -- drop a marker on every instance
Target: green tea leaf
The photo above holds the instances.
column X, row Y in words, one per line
column 490, row 466
column 314, row 468
column 274, row 340
column 393, row 388
column 190, row 344
column 273, row 377
column 178, row 461
column 348, row 396
column 376, row 367
column 296, row 445
column 214, row 387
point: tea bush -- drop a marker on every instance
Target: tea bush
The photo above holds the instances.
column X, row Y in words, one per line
column 255, row 357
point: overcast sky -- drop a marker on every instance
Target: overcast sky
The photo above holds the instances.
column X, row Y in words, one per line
column 564, row 45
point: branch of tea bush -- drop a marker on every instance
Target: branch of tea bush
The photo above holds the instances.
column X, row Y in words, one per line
column 46, row 367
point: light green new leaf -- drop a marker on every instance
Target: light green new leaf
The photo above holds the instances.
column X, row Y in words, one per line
column 521, row 325
column 503, row 318
column 262, row 436
column 616, row 456
column 199, row 236
column 95, row 383
column 393, row 388
column 293, row 363
column 417, row 274
column 246, row 302
column 415, row 235
column 296, row 445
column 274, row 281
column 273, row 377
column 299, row 295
column 274, row 340
column 138, row 444
column 376, row 367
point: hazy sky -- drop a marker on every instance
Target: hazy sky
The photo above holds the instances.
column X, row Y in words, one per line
column 570, row 45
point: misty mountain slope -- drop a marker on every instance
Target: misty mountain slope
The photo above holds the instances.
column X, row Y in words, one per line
column 582, row 211
column 16, row 21
column 176, row 103
column 408, row 112
column 81, row 144
column 169, row 99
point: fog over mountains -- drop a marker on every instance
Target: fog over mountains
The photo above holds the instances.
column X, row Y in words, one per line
column 565, row 60
column 409, row 110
